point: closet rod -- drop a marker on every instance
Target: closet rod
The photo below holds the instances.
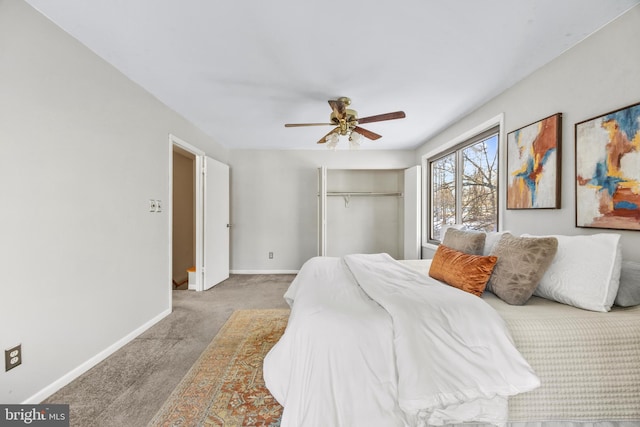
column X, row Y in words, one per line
column 362, row 193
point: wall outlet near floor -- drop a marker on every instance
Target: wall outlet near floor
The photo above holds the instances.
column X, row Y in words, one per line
column 12, row 357
column 270, row 255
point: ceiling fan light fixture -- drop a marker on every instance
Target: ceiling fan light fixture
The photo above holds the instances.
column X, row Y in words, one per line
column 354, row 140
column 332, row 140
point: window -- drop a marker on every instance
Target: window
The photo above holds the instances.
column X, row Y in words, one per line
column 463, row 185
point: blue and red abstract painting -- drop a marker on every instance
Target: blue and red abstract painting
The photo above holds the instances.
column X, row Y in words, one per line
column 608, row 170
column 533, row 165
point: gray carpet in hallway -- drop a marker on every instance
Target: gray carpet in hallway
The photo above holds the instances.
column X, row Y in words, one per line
column 129, row 387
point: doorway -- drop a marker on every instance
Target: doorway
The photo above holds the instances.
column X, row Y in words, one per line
column 199, row 236
column 184, row 219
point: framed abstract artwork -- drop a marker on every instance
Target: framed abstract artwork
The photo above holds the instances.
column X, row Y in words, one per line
column 608, row 170
column 533, row 165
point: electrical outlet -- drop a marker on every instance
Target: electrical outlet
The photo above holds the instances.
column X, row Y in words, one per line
column 12, row 357
column 270, row 255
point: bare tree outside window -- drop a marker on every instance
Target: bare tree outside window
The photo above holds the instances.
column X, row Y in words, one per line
column 443, row 175
column 480, row 185
column 473, row 167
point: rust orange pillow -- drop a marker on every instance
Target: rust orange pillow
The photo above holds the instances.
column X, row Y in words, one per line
column 463, row 271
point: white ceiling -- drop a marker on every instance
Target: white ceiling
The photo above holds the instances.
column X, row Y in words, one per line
column 240, row 69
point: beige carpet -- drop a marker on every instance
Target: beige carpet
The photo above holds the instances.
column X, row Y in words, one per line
column 225, row 386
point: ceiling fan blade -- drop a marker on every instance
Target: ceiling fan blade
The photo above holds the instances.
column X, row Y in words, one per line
column 366, row 133
column 296, row 125
column 324, row 138
column 382, row 117
column 339, row 108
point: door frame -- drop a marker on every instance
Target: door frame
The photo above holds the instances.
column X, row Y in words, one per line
column 199, row 208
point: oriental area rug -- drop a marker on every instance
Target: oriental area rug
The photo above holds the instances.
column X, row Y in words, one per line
column 225, row 386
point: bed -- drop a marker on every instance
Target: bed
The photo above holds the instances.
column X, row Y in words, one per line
column 372, row 341
column 588, row 362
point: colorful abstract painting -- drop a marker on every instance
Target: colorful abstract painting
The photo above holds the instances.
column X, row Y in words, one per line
column 533, row 165
column 608, row 170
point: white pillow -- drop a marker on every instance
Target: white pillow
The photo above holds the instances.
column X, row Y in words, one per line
column 490, row 241
column 585, row 272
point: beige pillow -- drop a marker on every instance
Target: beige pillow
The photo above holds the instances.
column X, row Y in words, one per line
column 522, row 261
column 467, row 241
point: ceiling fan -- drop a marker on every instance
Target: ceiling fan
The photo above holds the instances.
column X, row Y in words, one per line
column 346, row 122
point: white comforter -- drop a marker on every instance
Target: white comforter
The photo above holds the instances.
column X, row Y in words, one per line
column 371, row 343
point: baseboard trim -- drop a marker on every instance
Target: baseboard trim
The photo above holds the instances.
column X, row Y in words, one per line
column 264, row 271
column 84, row 367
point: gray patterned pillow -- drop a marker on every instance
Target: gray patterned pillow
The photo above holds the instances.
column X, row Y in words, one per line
column 629, row 290
column 521, row 263
column 467, row 241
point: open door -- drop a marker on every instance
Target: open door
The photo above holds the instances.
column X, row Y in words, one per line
column 412, row 213
column 322, row 211
column 216, row 223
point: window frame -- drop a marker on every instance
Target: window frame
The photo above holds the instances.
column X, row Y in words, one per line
column 477, row 134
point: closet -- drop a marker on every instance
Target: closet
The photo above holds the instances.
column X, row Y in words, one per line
column 369, row 211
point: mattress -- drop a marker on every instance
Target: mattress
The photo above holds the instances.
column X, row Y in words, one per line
column 588, row 362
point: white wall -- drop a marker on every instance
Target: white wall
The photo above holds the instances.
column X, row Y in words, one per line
column 597, row 76
column 274, row 201
column 84, row 265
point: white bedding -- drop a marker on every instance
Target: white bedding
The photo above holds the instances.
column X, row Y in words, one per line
column 371, row 343
column 588, row 362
